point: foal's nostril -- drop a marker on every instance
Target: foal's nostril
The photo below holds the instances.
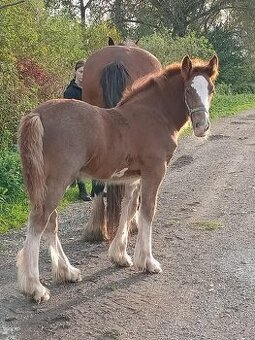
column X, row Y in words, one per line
column 197, row 125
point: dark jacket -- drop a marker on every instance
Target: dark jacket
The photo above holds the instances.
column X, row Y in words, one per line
column 73, row 91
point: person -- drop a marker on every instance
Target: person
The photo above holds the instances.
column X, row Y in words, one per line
column 74, row 91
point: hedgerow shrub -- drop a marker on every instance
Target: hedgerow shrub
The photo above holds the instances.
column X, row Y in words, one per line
column 38, row 51
column 169, row 50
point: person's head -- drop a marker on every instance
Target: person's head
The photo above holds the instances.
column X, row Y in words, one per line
column 79, row 72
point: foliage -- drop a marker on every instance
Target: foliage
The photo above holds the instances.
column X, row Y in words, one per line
column 13, row 204
column 140, row 18
column 11, row 187
column 95, row 36
column 40, row 68
column 168, row 49
column 234, row 68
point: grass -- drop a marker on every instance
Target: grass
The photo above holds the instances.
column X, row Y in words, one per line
column 207, row 225
column 14, row 215
column 223, row 106
column 14, row 212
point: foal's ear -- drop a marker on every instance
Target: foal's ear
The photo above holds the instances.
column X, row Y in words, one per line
column 186, row 67
column 110, row 41
column 214, row 67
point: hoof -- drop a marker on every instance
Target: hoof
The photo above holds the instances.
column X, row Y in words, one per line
column 122, row 261
column 67, row 274
column 148, row 264
column 41, row 295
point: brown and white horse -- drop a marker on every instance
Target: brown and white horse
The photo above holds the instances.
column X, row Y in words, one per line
column 134, row 144
column 106, row 74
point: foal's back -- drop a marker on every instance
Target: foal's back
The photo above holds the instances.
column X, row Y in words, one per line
column 78, row 133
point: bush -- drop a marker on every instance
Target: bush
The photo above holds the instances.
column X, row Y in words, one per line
column 11, row 182
column 40, row 68
column 235, row 68
column 169, row 50
column 224, row 89
column 244, row 88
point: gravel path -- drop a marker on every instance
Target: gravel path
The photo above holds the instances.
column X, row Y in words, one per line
column 203, row 236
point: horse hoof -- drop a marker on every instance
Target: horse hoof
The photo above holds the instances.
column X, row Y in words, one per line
column 149, row 265
column 123, row 261
column 67, row 274
column 153, row 267
column 41, row 295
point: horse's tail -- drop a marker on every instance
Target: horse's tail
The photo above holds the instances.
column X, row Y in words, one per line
column 114, row 80
column 30, row 139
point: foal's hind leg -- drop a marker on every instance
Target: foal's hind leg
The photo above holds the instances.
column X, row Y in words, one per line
column 118, row 248
column 28, row 257
column 62, row 270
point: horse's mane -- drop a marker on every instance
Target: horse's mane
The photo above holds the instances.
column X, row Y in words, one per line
column 150, row 80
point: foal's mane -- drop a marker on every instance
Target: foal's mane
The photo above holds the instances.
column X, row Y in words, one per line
column 150, row 80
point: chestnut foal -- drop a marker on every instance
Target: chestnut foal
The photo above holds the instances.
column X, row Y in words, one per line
column 133, row 145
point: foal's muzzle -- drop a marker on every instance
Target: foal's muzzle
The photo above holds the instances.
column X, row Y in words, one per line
column 200, row 123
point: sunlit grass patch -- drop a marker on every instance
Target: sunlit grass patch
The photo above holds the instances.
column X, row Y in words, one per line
column 207, row 225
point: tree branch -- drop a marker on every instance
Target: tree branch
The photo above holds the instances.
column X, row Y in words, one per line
column 12, row 4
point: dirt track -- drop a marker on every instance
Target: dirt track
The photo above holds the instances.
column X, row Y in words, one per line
column 203, row 235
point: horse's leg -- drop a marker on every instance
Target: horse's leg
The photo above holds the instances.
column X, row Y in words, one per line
column 115, row 195
column 133, row 211
column 28, row 257
column 143, row 258
column 95, row 229
column 117, row 250
column 62, row 270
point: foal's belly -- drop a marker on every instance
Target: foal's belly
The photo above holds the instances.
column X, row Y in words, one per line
column 124, row 175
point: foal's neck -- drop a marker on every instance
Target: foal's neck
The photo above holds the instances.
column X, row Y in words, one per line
column 174, row 108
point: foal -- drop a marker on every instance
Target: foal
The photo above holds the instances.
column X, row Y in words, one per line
column 134, row 144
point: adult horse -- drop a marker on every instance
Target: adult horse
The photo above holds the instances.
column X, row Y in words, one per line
column 106, row 74
column 134, row 143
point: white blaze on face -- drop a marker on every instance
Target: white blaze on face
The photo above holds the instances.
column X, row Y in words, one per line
column 200, row 84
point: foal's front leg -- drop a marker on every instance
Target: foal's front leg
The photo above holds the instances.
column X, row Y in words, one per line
column 143, row 258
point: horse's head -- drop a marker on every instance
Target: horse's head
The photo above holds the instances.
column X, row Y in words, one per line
column 198, row 90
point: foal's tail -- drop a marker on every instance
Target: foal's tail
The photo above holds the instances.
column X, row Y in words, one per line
column 114, row 80
column 30, row 139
